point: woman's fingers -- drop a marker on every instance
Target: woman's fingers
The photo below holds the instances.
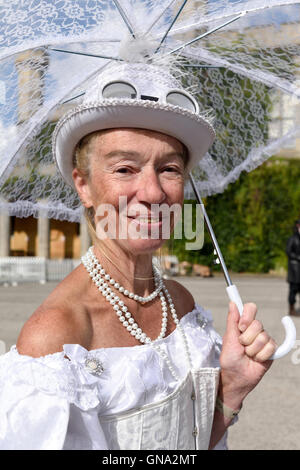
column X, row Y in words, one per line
column 252, row 331
column 266, row 352
column 249, row 314
column 258, row 344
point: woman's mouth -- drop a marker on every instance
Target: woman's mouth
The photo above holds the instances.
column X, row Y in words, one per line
column 148, row 220
column 146, row 224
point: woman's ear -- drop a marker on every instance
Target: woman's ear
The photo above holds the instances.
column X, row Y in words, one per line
column 82, row 187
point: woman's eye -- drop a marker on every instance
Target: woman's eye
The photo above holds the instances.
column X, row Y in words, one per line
column 123, row 170
column 171, row 169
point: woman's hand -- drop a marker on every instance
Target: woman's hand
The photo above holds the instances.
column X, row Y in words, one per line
column 245, row 355
column 245, row 358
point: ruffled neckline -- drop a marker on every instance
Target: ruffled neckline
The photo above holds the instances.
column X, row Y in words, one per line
column 87, row 377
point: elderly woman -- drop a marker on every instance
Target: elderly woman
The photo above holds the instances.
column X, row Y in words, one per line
column 116, row 357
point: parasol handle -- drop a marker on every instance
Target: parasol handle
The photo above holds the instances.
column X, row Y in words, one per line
column 233, row 293
column 290, row 330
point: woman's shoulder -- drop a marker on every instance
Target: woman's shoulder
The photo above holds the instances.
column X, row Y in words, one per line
column 61, row 319
column 45, row 332
column 181, row 296
column 186, row 303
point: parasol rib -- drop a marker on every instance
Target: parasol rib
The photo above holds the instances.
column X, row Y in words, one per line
column 74, row 97
column 203, row 66
column 124, row 16
column 85, row 54
column 171, row 26
column 159, row 16
column 207, row 33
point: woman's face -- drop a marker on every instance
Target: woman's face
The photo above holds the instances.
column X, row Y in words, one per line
column 142, row 170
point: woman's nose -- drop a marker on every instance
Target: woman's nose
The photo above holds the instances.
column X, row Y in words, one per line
column 150, row 189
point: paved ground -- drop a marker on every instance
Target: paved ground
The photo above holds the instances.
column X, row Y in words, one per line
column 270, row 418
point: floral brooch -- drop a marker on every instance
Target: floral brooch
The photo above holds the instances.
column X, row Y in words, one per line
column 202, row 321
column 93, row 365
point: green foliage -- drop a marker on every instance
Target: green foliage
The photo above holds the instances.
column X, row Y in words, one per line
column 252, row 219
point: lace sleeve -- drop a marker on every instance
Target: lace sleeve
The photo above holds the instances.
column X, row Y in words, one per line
column 37, row 396
column 205, row 320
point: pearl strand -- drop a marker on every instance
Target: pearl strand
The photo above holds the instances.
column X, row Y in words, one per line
column 165, row 357
column 125, row 316
column 177, row 322
column 162, row 353
column 121, row 289
column 120, row 308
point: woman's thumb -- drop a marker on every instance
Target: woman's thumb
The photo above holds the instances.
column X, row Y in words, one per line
column 233, row 318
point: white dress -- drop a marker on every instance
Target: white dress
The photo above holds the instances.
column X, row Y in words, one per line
column 131, row 402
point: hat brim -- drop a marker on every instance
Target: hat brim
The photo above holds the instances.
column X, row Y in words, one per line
column 194, row 131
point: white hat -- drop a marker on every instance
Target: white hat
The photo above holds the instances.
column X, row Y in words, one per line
column 139, row 96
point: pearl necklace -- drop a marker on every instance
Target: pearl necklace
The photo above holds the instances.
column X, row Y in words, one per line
column 101, row 273
column 99, row 277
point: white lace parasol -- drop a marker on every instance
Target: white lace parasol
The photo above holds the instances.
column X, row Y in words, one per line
column 247, row 72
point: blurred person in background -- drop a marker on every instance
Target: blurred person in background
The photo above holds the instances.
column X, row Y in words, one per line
column 293, row 253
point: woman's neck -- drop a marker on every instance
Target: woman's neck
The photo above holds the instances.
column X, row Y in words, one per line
column 133, row 272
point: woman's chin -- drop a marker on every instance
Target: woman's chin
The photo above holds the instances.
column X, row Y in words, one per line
column 141, row 246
